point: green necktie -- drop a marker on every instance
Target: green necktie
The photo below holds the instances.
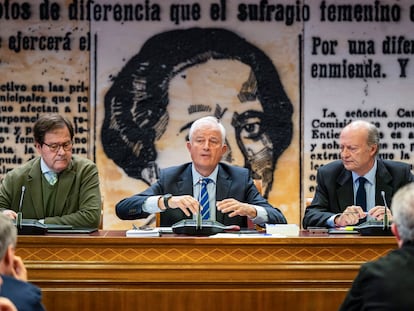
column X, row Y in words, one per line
column 51, row 177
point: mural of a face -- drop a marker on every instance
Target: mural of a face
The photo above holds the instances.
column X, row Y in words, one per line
column 219, row 88
column 182, row 75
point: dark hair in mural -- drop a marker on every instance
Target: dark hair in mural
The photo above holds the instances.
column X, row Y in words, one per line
column 136, row 104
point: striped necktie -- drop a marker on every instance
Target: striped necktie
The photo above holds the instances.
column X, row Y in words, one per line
column 51, row 177
column 361, row 196
column 204, row 202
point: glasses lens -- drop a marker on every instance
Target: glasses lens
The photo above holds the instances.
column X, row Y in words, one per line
column 67, row 146
column 55, row 147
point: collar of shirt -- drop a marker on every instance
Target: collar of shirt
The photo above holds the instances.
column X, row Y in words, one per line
column 369, row 186
column 370, row 176
column 43, row 167
column 197, row 176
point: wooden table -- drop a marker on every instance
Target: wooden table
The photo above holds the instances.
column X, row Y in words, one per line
column 107, row 271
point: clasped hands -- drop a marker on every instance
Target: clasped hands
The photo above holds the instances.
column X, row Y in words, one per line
column 190, row 205
column 352, row 214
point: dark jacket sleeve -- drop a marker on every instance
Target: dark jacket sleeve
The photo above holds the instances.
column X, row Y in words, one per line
column 131, row 208
column 26, row 296
column 236, row 182
column 325, row 202
column 254, row 197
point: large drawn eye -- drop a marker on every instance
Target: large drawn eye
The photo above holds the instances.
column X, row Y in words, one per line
column 251, row 129
column 248, row 125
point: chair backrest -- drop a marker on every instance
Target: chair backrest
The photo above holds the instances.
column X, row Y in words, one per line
column 258, row 184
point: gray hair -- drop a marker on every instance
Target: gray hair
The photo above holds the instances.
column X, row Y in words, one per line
column 8, row 234
column 209, row 120
column 403, row 212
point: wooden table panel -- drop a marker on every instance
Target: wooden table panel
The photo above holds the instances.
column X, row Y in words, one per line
column 108, row 271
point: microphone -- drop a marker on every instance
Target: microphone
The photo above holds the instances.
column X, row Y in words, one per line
column 19, row 219
column 377, row 228
column 28, row 226
column 385, row 221
column 199, row 226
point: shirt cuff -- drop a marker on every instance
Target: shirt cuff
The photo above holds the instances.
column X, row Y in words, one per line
column 331, row 221
column 151, row 205
column 261, row 215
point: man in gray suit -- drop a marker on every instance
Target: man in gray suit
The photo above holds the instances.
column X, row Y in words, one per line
column 336, row 198
column 232, row 195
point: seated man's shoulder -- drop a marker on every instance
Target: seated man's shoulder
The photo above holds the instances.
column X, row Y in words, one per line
column 16, row 286
column 82, row 160
column 82, row 164
column 25, row 168
column 174, row 170
column 234, row 169
column 395, row 164
column 25, row 295
column 332, row 166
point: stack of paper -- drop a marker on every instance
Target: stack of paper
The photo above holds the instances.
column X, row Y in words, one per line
column 283, row 229
column 147, row 232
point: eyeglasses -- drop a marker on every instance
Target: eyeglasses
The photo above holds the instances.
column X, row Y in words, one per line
column 55, row 147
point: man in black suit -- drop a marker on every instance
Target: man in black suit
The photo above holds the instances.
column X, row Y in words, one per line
column 335, row 201
column 388, row 283
column 15, row 287
column 232, row 194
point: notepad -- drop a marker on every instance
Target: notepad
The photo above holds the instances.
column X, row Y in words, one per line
column 283, row 229
column 146, row 232
column 343, row 230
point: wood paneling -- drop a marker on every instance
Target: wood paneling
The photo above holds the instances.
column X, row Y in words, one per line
column 107, row 271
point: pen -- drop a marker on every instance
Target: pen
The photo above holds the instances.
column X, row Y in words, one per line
column 349, row 228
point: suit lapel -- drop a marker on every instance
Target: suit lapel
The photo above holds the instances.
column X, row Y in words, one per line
column 184, row 183
column 345, row 191
column 66, row 179
column 222, row 190
column 35, row 197
column 383, row 183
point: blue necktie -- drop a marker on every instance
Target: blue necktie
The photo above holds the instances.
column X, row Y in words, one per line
column 205, row 211
column 361, row 196
column 51, row 177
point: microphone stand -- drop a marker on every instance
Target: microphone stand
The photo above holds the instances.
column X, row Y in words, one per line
column 385, row 221
column 19, row 219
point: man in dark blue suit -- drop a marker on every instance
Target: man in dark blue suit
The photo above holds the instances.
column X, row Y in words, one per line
column 335, row 201
column 15, row 287
column 388, row 283
column 232, row 194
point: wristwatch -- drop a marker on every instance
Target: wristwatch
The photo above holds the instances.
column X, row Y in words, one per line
column 166, row 197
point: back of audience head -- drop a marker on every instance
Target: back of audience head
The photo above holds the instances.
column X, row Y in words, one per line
column 8, row 236
column 403, row 214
